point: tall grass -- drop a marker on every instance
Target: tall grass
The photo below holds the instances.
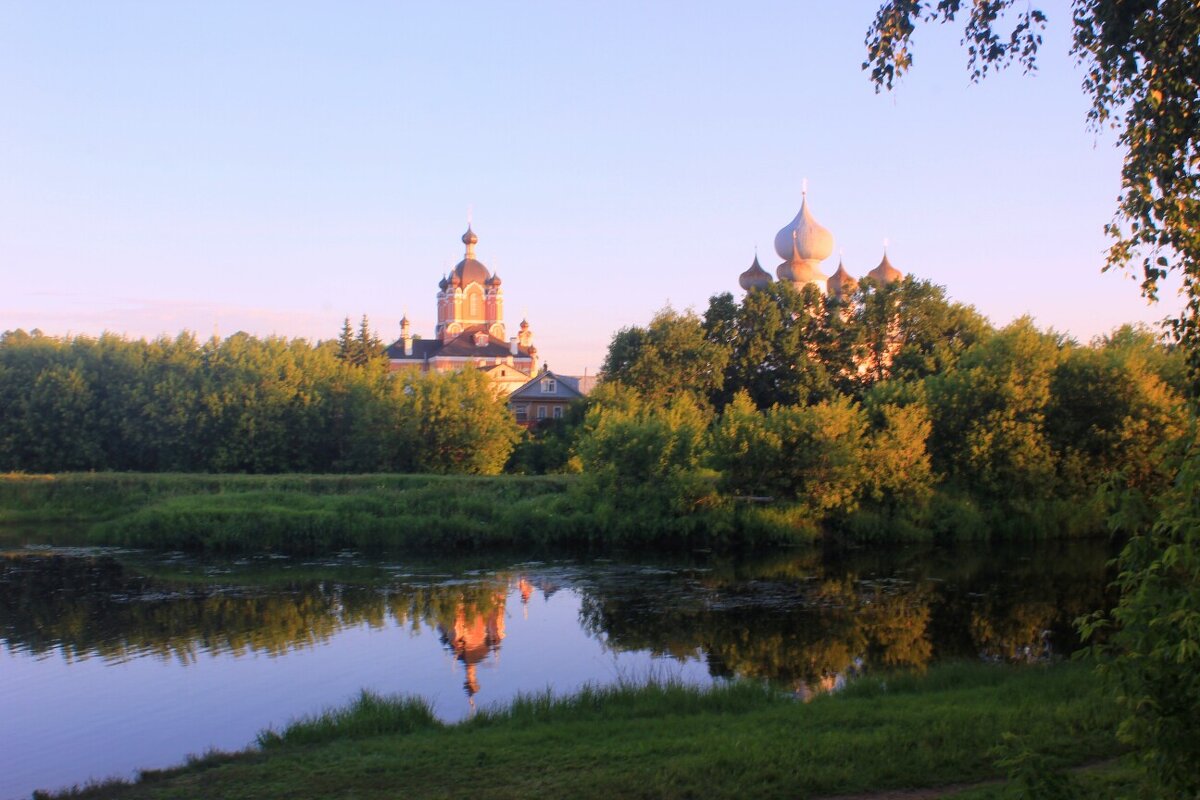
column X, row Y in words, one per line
column 369, row 715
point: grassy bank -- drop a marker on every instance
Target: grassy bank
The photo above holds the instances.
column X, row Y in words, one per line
column 307, row 514
column 742, row 740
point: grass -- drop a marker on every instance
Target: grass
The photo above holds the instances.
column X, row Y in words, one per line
column 308, row 514
column 669, row 741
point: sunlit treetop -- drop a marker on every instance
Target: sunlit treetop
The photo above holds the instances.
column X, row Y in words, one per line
column 1141, row 62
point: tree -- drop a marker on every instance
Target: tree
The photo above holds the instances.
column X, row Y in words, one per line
column 1142, row 70
column 1142, row 62
column 773, row 340
column 444, row 422
column 669, row 358
column 812, row 454
column 989, row 432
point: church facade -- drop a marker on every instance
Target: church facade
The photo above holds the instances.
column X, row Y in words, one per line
column 470, row 330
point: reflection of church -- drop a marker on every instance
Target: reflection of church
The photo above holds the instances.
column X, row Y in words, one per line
column 470, row 329
column 803, row 244
column 475, row 635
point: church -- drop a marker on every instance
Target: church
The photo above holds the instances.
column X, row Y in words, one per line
column 803, row 244
column 470, row 330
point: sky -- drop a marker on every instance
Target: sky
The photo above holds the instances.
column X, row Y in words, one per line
column 275, row 167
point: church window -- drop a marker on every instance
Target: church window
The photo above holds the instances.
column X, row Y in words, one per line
column 473, row 304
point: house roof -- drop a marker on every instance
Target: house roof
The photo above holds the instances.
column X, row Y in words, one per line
column 565, row 388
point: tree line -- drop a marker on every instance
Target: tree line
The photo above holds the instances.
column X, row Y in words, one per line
column 891, row 406
column 242, row 404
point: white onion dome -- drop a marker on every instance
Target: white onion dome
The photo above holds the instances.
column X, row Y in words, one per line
column 754, row 278
column 885, row 273
column 841, row 284
column 800, row 270
column 813, row 240
column 469, row 270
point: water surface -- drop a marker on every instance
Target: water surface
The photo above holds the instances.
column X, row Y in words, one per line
column 113, row 660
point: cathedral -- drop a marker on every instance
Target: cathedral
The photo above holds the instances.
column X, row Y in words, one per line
column 803, row 244
column 470, row 329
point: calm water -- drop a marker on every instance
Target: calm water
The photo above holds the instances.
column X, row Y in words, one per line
column 112, row 661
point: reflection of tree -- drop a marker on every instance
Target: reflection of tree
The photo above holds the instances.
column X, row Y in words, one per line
column 801, row 620
column 803, row 634
column 97, row 607
column 807, row 623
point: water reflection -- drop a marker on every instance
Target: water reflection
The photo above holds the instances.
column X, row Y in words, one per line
column 806, row 621
column 129, row 661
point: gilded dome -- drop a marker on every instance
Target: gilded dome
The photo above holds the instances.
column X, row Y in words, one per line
column 812, row 240
column 841, row 284
column 800, row 270
column 754, row 278
column 885, row 273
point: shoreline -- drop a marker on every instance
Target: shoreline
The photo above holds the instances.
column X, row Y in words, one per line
column 885, row 732
column 310, row 514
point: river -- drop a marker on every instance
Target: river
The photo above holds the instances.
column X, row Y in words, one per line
column 112, row 660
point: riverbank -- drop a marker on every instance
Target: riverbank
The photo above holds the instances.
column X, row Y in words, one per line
column 306, row 514
column 739, row 740
column 309, row 514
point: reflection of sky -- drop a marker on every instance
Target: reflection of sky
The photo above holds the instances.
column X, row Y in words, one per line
column 64, row 723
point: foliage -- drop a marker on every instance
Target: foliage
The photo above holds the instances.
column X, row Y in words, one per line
column 359, row 349
column 1030, row 774
column 1150, row 644
column 669, row 358
column 988, row 433
column 1141, row 65
column 771, row 343
column 241, row 404
column 811, row 454
column 447, row 422
column 642, row 465
column 548, row 446
column 899, row 474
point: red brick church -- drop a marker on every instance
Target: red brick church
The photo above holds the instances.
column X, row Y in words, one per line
column 470, row 329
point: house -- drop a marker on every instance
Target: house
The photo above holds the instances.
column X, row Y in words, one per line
column 546, row 396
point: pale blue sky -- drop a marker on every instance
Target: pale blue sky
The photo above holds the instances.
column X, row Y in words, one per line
column 274, row 167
